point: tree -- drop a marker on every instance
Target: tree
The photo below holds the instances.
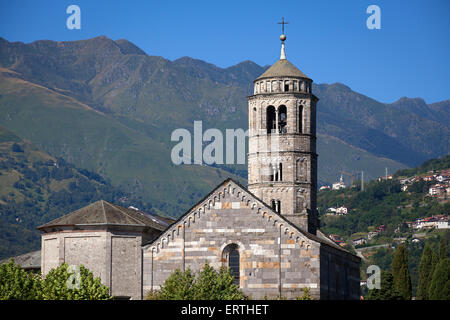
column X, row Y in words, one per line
column 55, row 286
column 440, row 282
column 400, row 272
column 208, row 285
column 17, row 284
column 178, row 286
column 213, row 285
column 387, row 290
column 442, row 248
column 425, row 272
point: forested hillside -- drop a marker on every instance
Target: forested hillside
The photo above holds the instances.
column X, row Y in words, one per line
column 36, row 188
column 108, row 107
column 385, row 214
column 383, row 202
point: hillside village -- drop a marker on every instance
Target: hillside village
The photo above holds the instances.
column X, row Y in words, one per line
column 437, row 185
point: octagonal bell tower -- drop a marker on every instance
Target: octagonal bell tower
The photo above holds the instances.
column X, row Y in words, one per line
column 282, row 159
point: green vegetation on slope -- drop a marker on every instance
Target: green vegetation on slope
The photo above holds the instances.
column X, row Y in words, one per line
column 132, row 160
column 381, row 203
column 36, row 188
column 153, row 96
column 384, row 203
column 429, row 165
column 336, row 155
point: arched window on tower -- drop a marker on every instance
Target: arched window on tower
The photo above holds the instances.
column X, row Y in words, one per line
column 278, row 206
column 286, row 85
column 280, row 173
column 282, row 119
column 273, row 205
column 276, row 172
column 254, row 125
column 300, row 119
column 231, row 256
column 271, row 120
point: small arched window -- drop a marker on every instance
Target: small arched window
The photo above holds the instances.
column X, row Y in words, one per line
column 276, row 205
column 271, row 120
column 282, row 119
column 280, row 169
column 300, row 119
column 232, row 258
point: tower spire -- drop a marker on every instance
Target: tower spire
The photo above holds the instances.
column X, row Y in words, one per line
column 283, row 53
column 282, row 38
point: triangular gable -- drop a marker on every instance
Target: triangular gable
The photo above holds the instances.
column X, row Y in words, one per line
column 258, row 207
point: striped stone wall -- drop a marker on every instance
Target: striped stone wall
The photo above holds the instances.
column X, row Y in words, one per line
column 275, row 257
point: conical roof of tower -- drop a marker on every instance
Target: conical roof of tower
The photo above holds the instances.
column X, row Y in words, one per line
column 282, row 68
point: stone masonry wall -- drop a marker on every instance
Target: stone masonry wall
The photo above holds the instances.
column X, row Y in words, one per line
column 232, row 216
column 114, row 256
column 340, row 278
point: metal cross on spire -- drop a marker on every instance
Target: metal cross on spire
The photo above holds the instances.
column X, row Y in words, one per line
column 282, row 24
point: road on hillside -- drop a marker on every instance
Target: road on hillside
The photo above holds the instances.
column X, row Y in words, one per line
column 359, row 250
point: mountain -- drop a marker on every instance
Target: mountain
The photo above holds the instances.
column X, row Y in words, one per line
column 67, row 128
column 108, row 107
column 36, row 187
column 381, row 129
column 438, row 112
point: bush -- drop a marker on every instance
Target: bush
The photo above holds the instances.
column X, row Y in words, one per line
column 213, row 285
column 178, row 286
column 17, row 284
column 209, row 285
column 306, row 295
column 153, row 295
column 55, row 286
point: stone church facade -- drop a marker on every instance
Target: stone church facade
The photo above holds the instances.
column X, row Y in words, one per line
column 268, row 235
column 275, row 257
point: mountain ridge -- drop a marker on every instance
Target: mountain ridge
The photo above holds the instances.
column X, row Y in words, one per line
column 150, row 96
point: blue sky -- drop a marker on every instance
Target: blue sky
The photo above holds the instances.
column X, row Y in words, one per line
column 327, row 40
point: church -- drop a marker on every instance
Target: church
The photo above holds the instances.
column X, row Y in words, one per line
column 268, row 234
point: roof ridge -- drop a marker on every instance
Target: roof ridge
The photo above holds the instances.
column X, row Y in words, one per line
column 128, row 215
column 70, row 213
column 104, row 212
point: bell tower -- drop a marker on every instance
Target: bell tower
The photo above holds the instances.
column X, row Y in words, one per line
column 282, row 159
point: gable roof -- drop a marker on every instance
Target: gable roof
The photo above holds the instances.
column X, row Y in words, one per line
column 320, row 237
column 282, row 68
column 105, row 213
column 29, row 260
